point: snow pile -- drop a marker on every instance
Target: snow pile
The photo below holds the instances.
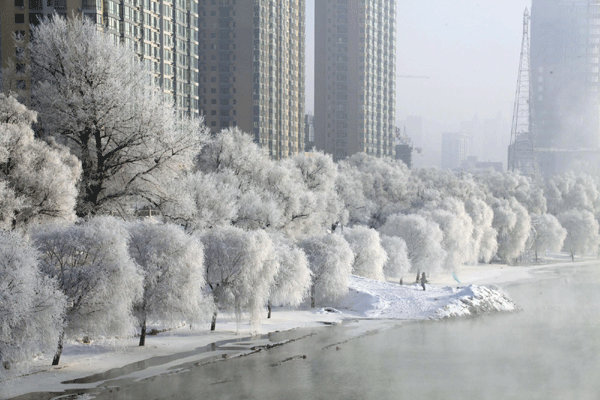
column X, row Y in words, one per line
column 474, row 300
column 385, row 300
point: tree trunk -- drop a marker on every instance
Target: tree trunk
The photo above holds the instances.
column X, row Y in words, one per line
column 59, row 350
column 418, row 277
column 312, row 296
column 269, row 308
column 213, row 322
column 536, row 256
column 143, row 334
column 401, row 281
column 572, row 256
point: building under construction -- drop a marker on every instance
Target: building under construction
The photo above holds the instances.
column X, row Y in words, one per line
column 564, row 87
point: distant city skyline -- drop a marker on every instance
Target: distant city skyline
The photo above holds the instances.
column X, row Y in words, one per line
column 468, row 49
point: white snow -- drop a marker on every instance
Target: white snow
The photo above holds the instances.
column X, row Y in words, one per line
column 366, row 299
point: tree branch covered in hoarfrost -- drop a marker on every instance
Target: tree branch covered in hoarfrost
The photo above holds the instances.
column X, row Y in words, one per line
column 96, row 98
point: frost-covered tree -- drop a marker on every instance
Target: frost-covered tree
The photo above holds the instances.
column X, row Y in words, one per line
column 572, row 191
column 240, row 270
column 330, row 260
column 548, row 234
column 423, row 241
column 96, row 98
column 172, row 264
column 31, row 306
column 369, row 255
column 385, row 183
column 320, row 205
column 240, row 163
column 398, row 263
column 293, row 279
column 513, row 184
column 91, row 263
column 457, row 229
column 582, row 232
column 349, row 185
column 513, row 224
column 38, row 180
column 484, row 240
column 296, row 195
column 202, row 201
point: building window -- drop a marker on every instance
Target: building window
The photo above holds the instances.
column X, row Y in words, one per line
column 19, row 18
column 19, row 3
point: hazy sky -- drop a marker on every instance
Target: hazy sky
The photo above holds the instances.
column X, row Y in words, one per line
column 469, row 48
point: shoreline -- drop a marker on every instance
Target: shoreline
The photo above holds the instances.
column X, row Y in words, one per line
column 185, row 345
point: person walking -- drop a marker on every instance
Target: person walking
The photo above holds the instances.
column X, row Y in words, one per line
column 423, row 280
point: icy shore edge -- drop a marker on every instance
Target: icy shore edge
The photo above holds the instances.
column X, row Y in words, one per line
column 474, row 300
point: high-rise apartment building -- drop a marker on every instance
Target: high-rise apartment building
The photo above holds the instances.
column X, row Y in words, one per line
column 455, row 149
column 309, row 132
column 252, row 70
column 164, row 33
column 565, row 84
column 355, row 77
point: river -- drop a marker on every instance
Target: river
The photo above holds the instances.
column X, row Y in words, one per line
column 548, row 350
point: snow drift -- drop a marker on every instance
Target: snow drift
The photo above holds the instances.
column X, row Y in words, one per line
column 385, row 300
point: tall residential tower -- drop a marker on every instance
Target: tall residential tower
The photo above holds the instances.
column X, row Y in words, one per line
column 565, row 84
column 355, row 77
column 252, row 70
column 164, row 33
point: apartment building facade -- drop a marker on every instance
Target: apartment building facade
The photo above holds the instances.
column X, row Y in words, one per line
column 565, row 84
column 355, row 71
column 164, row 34
column 252, row 70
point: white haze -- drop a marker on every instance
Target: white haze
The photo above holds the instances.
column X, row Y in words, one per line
column 470, row 50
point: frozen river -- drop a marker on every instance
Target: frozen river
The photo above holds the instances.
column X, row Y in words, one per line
column 549, row 350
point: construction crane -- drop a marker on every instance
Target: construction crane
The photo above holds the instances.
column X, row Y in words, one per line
column 522, row 155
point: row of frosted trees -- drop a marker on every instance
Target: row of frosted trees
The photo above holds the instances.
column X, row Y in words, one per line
column 236, row 231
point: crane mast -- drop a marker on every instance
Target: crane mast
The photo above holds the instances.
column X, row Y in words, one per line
column 522, row 152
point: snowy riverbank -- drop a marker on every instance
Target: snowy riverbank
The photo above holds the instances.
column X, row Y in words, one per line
column 366, row 299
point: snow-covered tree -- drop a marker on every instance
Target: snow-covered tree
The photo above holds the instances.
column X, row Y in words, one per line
column 386, row 183
column 398, row 263
column 330, row 260
column 293, row 279
column 513, row 184
column 484, row 240
column 172, row 263
column 38, row 180
column 349, row 185
column 513, row 224
column 320, row 205
column 369, row 255
column 548, row 234
column 202, row 201
column 91, row 263
column 582, row 232
column 240, row 270
column 457, row 227
column 240, row 163
column 423, row 240
column 31, row 306
column 96, row 98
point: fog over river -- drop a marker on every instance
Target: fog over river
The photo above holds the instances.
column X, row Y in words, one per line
column 548, row 350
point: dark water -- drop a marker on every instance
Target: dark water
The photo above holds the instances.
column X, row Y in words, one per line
column 549, row 350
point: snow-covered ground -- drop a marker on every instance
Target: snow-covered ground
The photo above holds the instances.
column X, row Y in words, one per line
column 366, row 299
